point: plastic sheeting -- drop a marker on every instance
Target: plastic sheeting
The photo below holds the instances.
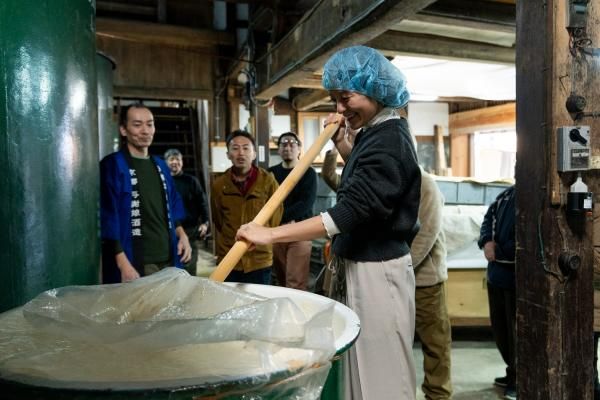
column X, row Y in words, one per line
column 168, row 330
column 461, row 226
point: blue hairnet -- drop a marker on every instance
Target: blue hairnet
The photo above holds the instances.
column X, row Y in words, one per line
column 366, row 71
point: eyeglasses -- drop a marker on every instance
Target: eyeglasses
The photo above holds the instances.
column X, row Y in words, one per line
column 285, row 142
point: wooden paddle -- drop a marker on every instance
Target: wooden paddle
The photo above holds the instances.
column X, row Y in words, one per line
column 240, row 247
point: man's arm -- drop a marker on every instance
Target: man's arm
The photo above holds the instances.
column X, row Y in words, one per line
column 430, row 217
column 178, row 214
column 128, row 272
column 328, row 169
column 489, row 250
column 110, row 220
column 486, row 231
column 486, row 234
column 505, row 220
column 183, row 245
column 200, row 198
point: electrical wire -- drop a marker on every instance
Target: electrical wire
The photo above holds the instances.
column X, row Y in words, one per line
column 578, row 41
column 580, row 44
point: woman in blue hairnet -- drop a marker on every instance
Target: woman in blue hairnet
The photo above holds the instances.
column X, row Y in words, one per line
column 372, row 223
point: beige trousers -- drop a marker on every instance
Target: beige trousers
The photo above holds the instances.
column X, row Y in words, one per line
column 380, row 365
column 433, row 328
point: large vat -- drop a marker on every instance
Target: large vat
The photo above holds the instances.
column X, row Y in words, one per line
column 265, row 318
column 48, row 148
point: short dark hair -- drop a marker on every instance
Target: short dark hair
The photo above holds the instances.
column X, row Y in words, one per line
column 237, row 133
column 172, row 153
column 291, row 134
column 125, row 111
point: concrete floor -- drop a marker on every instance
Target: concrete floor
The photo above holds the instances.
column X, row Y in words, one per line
column 475, row 364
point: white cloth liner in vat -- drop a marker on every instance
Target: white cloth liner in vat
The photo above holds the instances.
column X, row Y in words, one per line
column 167, row 330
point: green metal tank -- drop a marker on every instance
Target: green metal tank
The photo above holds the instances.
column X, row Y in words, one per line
column 48, row 148
column 108, row 128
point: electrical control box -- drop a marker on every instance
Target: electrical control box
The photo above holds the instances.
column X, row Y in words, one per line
column 574, row 148
column 577, row 13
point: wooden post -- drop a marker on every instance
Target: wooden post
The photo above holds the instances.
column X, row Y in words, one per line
column 441, row 165
column 554, row 311
column 263, row 136
column 460, row 150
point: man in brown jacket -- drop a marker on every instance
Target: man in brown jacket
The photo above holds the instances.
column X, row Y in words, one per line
column 236, row 198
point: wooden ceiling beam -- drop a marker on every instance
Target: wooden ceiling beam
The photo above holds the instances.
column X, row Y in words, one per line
column 496, row 13
column 394, row 43
column 328, row 27
column 161, row 34
column 310, row 99
column 499, row 35
column 467, row 23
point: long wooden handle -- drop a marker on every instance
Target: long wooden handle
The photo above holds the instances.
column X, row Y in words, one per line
column 240, row 247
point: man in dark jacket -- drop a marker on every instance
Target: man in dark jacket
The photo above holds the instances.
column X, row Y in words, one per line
column 497, row 239
column 188, row 186
column 291, row 261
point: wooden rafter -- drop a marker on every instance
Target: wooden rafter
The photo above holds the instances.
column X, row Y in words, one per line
column 497, row 13
column 393, row 43
column 498, row 35
column 161, row 34
column 329, row 26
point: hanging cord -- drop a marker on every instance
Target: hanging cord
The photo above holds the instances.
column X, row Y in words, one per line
column 579, row 42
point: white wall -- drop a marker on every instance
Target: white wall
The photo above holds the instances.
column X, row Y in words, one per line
column 423, row 116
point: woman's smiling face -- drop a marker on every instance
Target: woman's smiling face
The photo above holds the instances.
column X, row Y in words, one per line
column 358, row 109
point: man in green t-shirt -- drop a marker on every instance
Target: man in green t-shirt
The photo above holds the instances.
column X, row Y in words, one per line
column 140, row 209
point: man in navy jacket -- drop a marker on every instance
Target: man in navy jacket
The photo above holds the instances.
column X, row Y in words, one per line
column 497, row 239
column 140, row 210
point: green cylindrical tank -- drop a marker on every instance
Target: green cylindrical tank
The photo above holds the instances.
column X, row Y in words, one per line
column 48, row 147
column 108, row 128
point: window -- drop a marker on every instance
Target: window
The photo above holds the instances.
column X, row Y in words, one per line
column 494, row 155
column 310, row 125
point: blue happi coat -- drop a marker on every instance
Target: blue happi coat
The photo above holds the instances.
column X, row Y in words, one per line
column 115, row 210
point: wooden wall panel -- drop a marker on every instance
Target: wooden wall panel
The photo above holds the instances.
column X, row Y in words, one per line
column 151, row 71
column 503, row 116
